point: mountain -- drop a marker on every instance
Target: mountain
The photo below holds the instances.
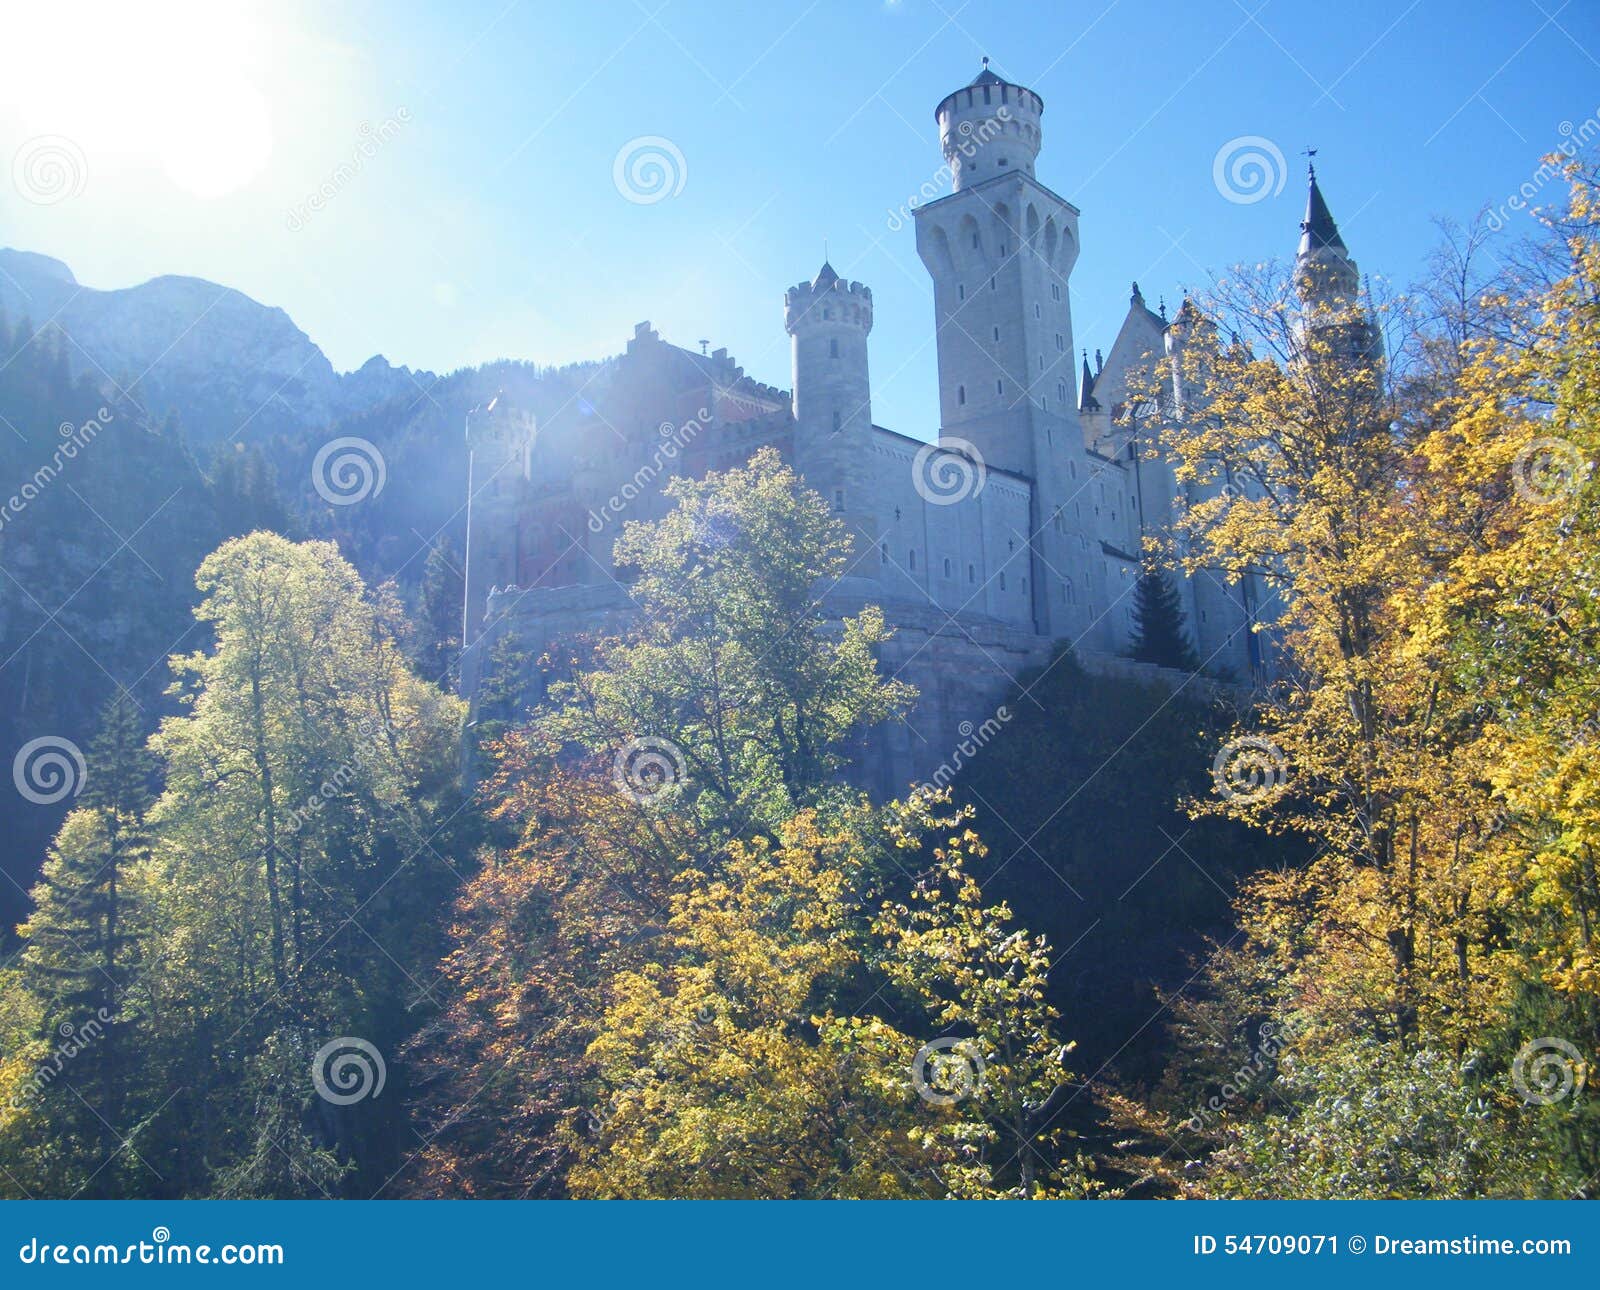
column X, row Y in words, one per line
column 230, row 367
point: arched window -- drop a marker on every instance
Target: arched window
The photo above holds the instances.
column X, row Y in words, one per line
column 947, row 566
column 911, row 558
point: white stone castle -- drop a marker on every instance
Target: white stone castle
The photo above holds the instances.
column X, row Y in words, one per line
column 1018, row 530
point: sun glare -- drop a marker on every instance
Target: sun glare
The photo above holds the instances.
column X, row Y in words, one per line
column 172, row 86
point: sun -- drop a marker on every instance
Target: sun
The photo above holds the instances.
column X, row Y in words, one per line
column 170, row 84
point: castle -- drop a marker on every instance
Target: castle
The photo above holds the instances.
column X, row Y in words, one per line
column 1018, row 530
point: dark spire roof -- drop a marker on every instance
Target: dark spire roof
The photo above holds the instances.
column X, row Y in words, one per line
column 985, row 77
column 1318, row 231
column 826, row 277
column 1086, row 400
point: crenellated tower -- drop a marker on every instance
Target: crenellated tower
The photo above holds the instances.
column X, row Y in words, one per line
column 828, row 320
column 1000, row 249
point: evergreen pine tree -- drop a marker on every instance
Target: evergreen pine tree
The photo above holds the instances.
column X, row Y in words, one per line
column 1158, row 636
column 82, row 942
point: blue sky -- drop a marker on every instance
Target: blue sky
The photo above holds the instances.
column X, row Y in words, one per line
column 484, row 220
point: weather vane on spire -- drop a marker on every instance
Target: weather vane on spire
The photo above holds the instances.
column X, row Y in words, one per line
column 1310, row 154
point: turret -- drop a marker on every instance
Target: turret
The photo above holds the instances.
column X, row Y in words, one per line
column 989, row 127
column 499, row 447
column 1329, row 284
column 828, row 320
column 1323, row 268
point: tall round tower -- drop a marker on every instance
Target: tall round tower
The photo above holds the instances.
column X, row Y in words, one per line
column 989, row 127
column 828, row 320
column 499, row 443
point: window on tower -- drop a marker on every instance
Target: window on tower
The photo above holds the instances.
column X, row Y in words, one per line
column 838, row 501
column 1000, row 388
column 997, row 333
column 961, row 395
column 961, row 291
column 833, row 348
column 974, row 241
column 837, row 423
column 1055, row 291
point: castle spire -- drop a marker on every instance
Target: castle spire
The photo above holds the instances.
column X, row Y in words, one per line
column 1318, row 231
column 1086, row 400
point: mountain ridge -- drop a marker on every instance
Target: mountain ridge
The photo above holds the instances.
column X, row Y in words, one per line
column 229, row 367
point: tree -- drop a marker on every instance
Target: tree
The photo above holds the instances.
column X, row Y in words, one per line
column 1429, row 522
column 1158, row 633
column 82, row 946
column 437, row 647
column 672, row 982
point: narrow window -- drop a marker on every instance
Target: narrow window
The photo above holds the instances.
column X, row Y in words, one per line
column 997, row 333
column 911, row 558
column 947, row 566
column 961, row 291
column 837, row 423
column 1002, row 581
column 974, row 241
column 833, row 349
column 1000, row 388
column 1036, row 311
column 961, row 395
column 972, row 573
column 838, row 501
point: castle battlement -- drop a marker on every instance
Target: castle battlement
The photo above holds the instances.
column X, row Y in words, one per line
column 827, row 299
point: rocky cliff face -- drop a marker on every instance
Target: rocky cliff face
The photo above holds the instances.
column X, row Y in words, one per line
column 228, row 366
